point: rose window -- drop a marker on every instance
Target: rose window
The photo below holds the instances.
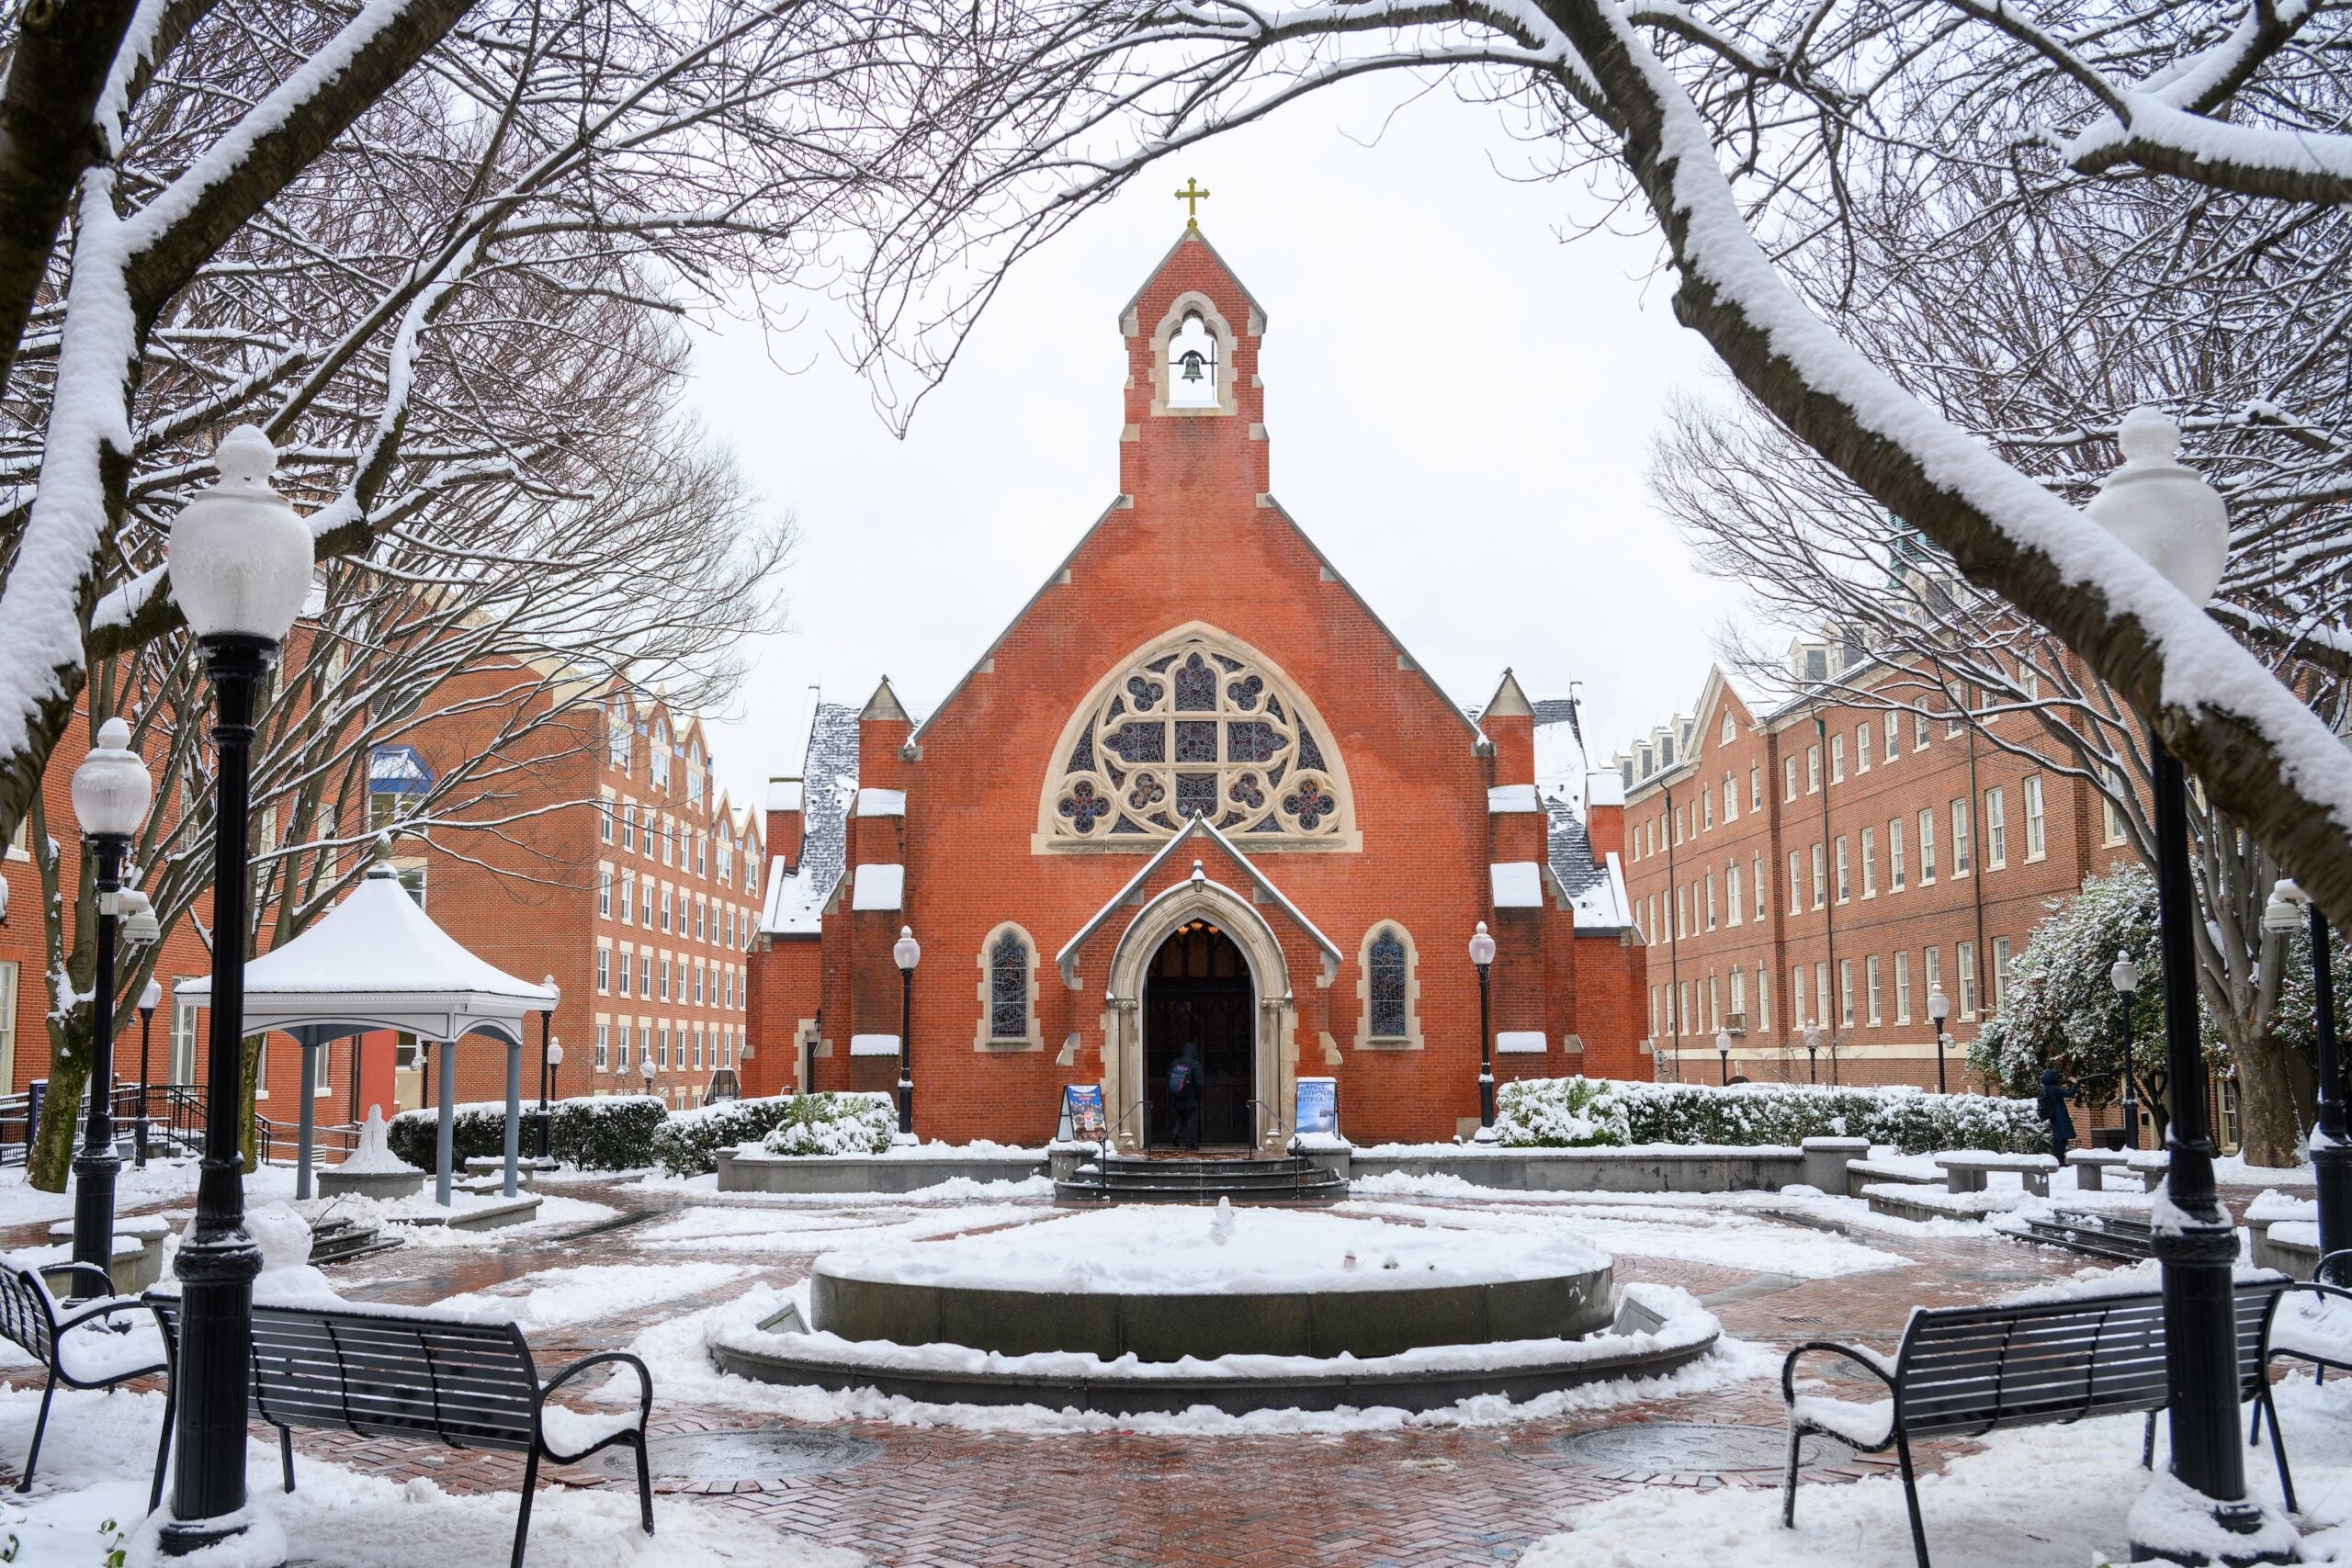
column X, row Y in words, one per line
column 1196, row 732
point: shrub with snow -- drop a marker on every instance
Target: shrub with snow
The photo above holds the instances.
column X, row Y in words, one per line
column 1579, row 1113
column 689, row 1142
column 834, row 1124
column 606, row 1133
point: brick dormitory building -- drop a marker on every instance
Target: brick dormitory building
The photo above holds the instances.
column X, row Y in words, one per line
column 1194, row 794
column 1828, row 862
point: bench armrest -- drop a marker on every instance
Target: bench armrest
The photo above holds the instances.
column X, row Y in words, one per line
column 2335, row 1264
column 78, row 1269
column 1866, row 1359
column 105, row 1307
column 622, row 1357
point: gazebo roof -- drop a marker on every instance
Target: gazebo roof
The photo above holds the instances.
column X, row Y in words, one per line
column 377, row 961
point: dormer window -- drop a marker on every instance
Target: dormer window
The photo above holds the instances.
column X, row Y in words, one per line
column 1192, row 365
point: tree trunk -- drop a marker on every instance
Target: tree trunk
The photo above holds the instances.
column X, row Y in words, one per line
column 2269, row 1127
column 51, row 1159
column 248, row 1125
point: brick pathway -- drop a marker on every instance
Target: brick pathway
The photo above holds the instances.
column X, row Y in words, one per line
column 942, row 1498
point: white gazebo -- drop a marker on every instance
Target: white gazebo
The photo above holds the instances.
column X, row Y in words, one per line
column 375, row 961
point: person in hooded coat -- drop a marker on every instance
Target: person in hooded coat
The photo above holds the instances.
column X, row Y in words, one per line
column 2052, row 1102
column 1184, row 1096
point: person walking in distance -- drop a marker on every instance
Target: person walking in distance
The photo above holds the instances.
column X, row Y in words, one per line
column 2054, row 1096
column 1184, row 1096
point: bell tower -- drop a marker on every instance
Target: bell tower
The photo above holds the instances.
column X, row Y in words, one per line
column 1196, row 410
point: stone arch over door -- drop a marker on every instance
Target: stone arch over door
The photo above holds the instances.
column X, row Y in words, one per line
column 1276, row 1054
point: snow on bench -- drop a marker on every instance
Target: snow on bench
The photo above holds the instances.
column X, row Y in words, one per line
column 1966, row 1172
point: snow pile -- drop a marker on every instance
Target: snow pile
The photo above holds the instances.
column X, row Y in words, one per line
column 1232, row 1252
column 374, row 1156
column 835, row 1124
column 1654, row 1226
column 1574, row 1112
column 561, row 1298
column 2274, row 1205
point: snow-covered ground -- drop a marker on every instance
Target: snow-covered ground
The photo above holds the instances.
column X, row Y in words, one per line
column 2042, row 1495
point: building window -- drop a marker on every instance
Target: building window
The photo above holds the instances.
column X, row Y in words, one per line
column 1902, row 985
column 1870, row 982
column 603, row 968
column 662, row 1050
column 1821, row 991
column 1681, row 912
column 629, row 960
column 1796, row 996
column 1996, row 830
column 1845, row 993
column 1845, row 875
column 1711, row 901
column 1755, row 872
column 1836, row 758
column 645, row 904
column 1727, row 731
column 604, row 895
column 1732, row 900
column 1926, row 847
column 1796, row 884
column 1893, row 735
column 2112, row 814
column 657, row 752
column 1198, row 729
column 617, row 734
column 1960, row 837
column 1919, row 730
column 620, row 1054
column 1706, row 807
column 1731, row 798
column 1789, row 777
column 1870, row 862
column 664, row 992
column 604, row 820
column 603, row 1045
column 1755, row 786
column 1763, row 1002
column 2000, row 972
column 645, row 975
column 1813, row 770
column 321, row 1060
column 1895, row 854
column 628, row 900
column 699, row 973
column 629, row 827
column 1861, row 747
column 1387, row 985
column 1739, row 996
column 2036, row 840
column 1965, row 960
column 1933, row 972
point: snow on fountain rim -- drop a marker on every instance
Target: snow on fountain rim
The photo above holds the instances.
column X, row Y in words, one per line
column 1180, row 1251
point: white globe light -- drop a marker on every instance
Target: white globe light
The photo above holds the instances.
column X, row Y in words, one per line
column 906, row 950
column 2166, row 512
column 151, row 997
column 555, row 1053
column 1482, row 946
column 240, row 557
column 2125, row 975
column 1938, row 1006
column 111, row 788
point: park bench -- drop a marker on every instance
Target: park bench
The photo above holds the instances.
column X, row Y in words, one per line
column 1964, row 1371
column 379, row 1372
column 1861, row 1173
column 2310, row 1321
column 28, row 1316
column 1966, row 1171
column 2093, row 1167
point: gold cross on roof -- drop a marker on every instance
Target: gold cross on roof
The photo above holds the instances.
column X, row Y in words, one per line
column 1191, row 195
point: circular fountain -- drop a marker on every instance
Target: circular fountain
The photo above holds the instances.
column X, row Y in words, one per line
column 1136, row 1310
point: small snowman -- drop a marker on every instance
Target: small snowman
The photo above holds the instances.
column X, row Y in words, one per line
column 1221, row 1222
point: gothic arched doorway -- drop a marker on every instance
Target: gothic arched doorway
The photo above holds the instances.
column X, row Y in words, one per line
column 1198, row 991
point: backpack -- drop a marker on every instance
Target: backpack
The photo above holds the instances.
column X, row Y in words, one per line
column 1180, row 1078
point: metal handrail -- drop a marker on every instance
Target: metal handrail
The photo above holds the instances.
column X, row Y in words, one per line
column 1260, row 1105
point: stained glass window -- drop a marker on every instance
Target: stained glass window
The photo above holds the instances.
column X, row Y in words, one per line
column 1198, row 731
column 1008, row 987
column 1388, row 960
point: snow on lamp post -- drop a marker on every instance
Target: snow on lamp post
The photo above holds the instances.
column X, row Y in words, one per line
column 1482, row 954
column 2178, row 523
column 906, row 952
column 111, row 791
column 2125, row 977
column 2331, row 1143
column 1939, row 1010
column 1812, row 1052
column 149, row 1000
column 239, row 566
column 1723, row 1056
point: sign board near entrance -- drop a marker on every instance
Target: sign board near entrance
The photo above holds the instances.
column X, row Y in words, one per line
column 1082, row 1118
column 1318, row 1107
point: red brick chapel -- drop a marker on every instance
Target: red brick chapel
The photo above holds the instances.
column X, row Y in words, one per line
column 1195, row 793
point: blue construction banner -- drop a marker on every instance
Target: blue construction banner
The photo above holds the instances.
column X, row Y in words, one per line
column 1319, row 1106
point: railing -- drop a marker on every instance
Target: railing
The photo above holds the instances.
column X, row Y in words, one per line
column 1259, row 1111
column 171, row 1117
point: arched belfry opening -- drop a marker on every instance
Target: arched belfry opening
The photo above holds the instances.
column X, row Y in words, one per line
column 1198, row 993
column 1192, row 364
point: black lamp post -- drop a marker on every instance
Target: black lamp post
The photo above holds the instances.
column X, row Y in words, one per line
column 2331, row 1143
column 111, row 791
column 1723, row 1057
column 149, row 1000
column 2125, row 977
column 240, row 566
column 906, row 952
column 2179, row 526
column 1939, row 1010
column 1813, row 1052
column 1482, row 954
column 550, row 1054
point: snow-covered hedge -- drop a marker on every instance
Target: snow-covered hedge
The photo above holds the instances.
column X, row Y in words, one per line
column 688, row 1143
column 607, row 1133
column 1579, row 1113
column 835, row 1124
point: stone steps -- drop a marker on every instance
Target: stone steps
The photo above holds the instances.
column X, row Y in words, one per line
column 1289, row 1180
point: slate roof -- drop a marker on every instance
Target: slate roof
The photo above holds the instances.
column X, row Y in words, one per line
column 829, row 790
column 1597, row 893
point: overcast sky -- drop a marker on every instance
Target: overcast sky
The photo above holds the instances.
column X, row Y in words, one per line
column 1459, row 402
